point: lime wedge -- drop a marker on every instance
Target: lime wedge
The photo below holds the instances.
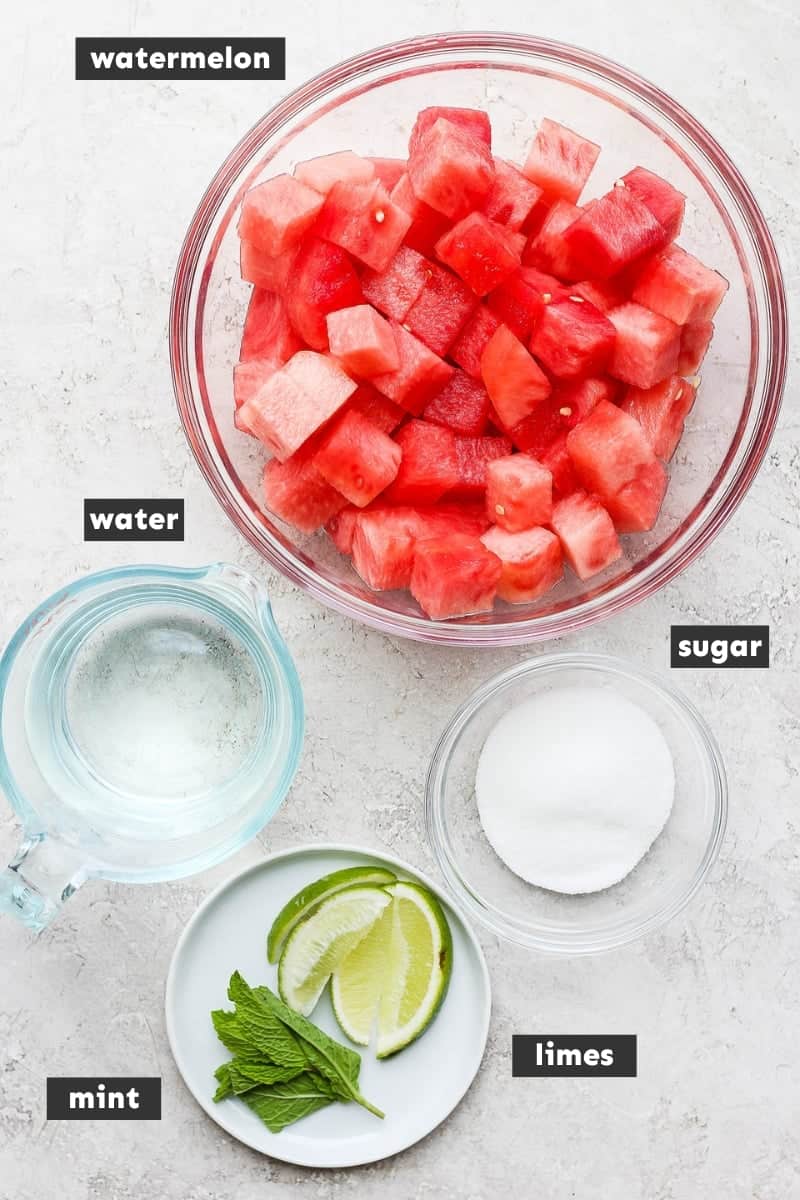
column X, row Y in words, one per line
column 317, row 945
column 311, row 896
column 358, row 982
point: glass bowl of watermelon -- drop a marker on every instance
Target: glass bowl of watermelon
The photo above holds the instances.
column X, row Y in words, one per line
column 478, row 338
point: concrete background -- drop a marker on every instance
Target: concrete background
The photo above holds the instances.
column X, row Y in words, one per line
column 100, row 183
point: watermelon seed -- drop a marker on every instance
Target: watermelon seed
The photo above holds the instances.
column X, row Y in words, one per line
column 619, row 183
column 547, row 297
column 498, row 508
column 565, row 412
column 694, row 380
column 380, row 216
column 577, row 299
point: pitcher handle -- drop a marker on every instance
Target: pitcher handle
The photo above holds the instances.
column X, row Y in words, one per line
column 42, row 875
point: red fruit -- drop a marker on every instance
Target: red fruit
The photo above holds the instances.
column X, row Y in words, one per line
column 454, row 576
column 267, row 332
column 357, row 459
column 532, row 562
column 611, row 234
column 296, row 492
column 322, row 280
column 474, row 455
column 341, row 527
column 614, row 459
column 573, row 339
column 665, row 202
column 394, row 290
column 250, row 376
column 548, row 249
column 362, row 340
column 694, row 343
column 462, row 405
column 604, row 296
column 586, row 533
column 480, row 251
column 429, row 465
column 660, row 411
column 472, row 121
column 512, row 196
column 467, row 350
column 459, row 516
column 276, row 214
column 382, row 412
column 678, row 286
column 383, row 547
column 427, row 225
column 265, row 270
column 362, row 219
column 441, row 310
column 513, row 380
column 450, row 170
column 519, row 493
column 560, row 161
column 322, row 173
column 389, row 170
column 296, row 401
column 646, row 348
column 520, row 300
column 558, row 462
column 420, row 376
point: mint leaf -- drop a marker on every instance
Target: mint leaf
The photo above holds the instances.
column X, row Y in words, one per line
column 260, row 1028
column 284, row 1103
column 245, row 1073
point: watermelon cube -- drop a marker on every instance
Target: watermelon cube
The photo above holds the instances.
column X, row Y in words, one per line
column 454, row 576
column 573, row 339
column 480, row 251
column 560, row 161
column 665, row 202
column 512, row 197
column 548, row 249
column 519, row 493
column 250, row 376
column 267, row 330
column 341, row 528
column 389, row 170
column 362, row 340
column 558, row 462
column 462, row 405
column 265, row 270
column 513, row 380
column 576, row 399
column 646, row 348
column 450, row 170
column 467, row 350
column 357, row 459
column 614, row 459
column 586, row 532
column 428, row 467
column 519, row 301
column 383, row 547
column 344, row 166
column 276, row 214
column 378, row 409
column 394, row 290
column 678, row 286
column 296, row 401
column 474, row 456
column 695, row 338
column 296, row 492
column 611, row 234
column 601, row 294
column 441, row 310
column 661, row 411
column 420, row 376
column 457, row 516
column 427, row 225
column 323, row 279
column 471, row 121
column 532, row 562
column 362, row 219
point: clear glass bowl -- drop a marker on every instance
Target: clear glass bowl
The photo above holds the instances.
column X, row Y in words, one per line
column 665, row 879
column 368, row 104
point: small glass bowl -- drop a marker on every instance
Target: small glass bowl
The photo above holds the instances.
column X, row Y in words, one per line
column 659, row 886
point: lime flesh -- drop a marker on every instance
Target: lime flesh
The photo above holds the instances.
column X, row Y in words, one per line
column 358, row 982
column 310, row 897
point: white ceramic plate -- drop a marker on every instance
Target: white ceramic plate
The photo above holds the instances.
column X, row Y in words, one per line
column 416, row 1089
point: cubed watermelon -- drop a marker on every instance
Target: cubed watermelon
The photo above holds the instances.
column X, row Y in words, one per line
column 586, row 532
column 276, row 214
column 357, row 459
column 458, row 516
column 558, row 462
column 250, row 376
column 344, row 166
column 394, row 290
column 532, row 562
column 560, row 161
column 519, row 493
column 296, row 492
column 378, row 409
column 665, row 202
column 601, row 294
column 428, row 467
column 467, row 350
column 441, row 310
column 341, row 527
column 267, row 330
column 420, row 376
column 520, row 300
column 573, row 339
column 513, row 380
column 454, row 576
column 362, row 340
column 296, row 401
column 383, row 547
column 267, row 271
column 427, row 225
column 323, row 279
column 661, row 411
column 695, row 339
column 548, row 249
column 611, row 234
column 474, row 455
column 450, row 170
column 462, row 405
column 389, row 170
column 512, row 197
column 472, row 121
column 480, row 251
column 615, row 461
column 678, row 286
column 362, row 219
column 646, row 348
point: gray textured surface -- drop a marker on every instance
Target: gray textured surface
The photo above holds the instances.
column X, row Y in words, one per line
column 100, row 182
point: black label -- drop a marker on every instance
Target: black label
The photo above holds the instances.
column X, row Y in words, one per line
column 133, row 520
column 180, row 58
column 550, row 1054
column 103, row 1098
column 719, row 646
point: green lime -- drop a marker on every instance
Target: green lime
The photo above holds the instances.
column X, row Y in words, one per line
column 357, row 983
column 311, row 896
